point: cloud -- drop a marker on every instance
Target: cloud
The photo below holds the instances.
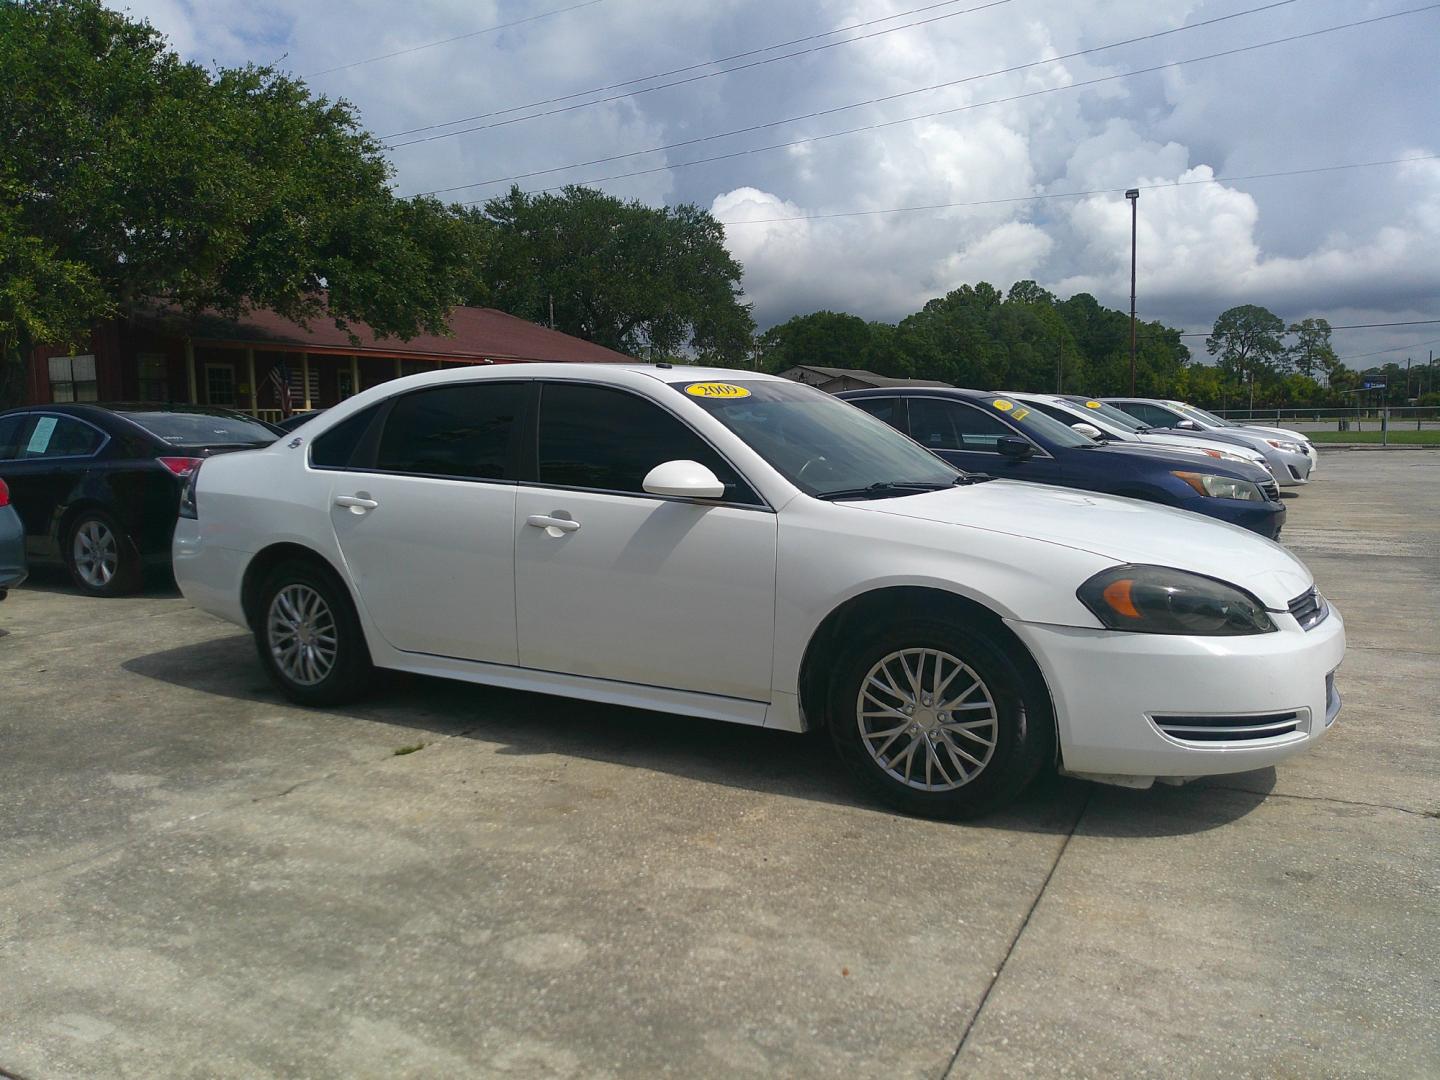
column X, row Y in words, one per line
column 1333, row 243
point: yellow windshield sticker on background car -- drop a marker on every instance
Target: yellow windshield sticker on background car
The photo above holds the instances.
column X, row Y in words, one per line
column 1092, row 404
column 716, row 389
column 1019, row 414
column 1002, row 404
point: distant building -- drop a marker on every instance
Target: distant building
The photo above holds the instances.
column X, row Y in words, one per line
column 833, row 380
column 160, row 355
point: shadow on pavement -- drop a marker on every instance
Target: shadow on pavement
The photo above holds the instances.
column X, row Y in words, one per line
column 731, row 755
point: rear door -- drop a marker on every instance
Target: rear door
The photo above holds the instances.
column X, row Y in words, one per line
column 615, row 583
column 424, row 515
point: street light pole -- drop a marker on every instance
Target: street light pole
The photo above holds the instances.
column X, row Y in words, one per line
column 1134, row 196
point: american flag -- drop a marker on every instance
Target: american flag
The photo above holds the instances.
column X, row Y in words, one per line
column 280, row 377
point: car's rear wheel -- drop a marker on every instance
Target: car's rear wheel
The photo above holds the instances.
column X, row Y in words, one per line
column 308, row 636
column 937, row 718
column 101, row 556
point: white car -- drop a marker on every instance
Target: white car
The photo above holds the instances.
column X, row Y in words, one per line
column 1109, row 424
column 736, row 546
column 1291, row 456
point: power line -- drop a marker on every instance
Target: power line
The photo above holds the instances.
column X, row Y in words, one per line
column 698, row 78
column 862, row 104
column 673, row 71
column 994, row 101
column 1397, row 348
column 457, row 37
column 1079, row 194
column 1358, row 326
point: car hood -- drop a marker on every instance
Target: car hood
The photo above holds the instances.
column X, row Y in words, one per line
column 1174, row 458
column 1125, row 530
column 1277, row 433
column 1200, row 445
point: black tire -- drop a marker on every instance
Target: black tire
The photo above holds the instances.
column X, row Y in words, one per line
column 87, row 549
column 1022, row 733
column 350, row 671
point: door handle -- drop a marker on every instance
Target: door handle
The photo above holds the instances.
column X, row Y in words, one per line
column 545, row 521
column 358, row 504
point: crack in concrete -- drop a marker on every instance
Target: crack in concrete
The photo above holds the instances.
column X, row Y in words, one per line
column 1319, row 798
column 1014, row 941
column 10, row 1075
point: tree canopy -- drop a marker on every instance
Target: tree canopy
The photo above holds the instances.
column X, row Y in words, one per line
column 129, row 175
column 655, row 282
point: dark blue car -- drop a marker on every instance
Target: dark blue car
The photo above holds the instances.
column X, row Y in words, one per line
column 990, row 433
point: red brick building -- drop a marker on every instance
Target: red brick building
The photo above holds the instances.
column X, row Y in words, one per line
column 209, row 360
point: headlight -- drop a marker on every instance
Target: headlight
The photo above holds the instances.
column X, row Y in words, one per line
column 1160, row 600
column 1221, row 487
column 1288, row 447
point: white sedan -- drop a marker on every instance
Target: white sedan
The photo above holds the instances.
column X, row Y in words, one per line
column 736, row 546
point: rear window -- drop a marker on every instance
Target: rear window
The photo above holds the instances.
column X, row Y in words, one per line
column 202, row 429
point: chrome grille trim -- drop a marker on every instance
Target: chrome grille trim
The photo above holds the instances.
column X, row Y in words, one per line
column 1309, row 609
column 1209, row 730
column 1271, row 490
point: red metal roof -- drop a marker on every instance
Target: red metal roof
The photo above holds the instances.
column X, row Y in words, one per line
column 479, row 334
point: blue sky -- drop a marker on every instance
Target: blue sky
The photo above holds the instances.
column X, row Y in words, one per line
column 1354, row 246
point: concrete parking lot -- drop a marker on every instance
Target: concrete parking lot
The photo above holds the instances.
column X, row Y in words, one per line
column 200, row 880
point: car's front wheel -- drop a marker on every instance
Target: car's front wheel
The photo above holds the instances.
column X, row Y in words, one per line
column 937, row 718
column 309, row 638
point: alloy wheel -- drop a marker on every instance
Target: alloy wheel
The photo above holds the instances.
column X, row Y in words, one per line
column 927, row 719
column 96, row 553
column 302, row 634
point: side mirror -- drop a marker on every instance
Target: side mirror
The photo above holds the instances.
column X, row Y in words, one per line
column 1187, row 425
column 684, row 480
column 1089, row 430
column 1016, row 449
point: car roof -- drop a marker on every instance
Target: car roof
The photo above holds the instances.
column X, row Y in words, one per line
column 919, row 391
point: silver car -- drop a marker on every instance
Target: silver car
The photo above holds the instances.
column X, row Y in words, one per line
column 1290, row 455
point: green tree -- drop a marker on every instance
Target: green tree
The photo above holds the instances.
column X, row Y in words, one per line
column 1311, row 354
column 822, row 338
column 649, row 281
column 130, row 176
column 1247, row 341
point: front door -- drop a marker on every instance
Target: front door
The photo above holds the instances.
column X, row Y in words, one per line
column 633, row 587
column 425, row 520
column 969, row 437
column 52, row 454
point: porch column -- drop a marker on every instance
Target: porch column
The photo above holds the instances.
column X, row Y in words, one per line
column 354, row 374
column 399, row 371
column 250, row 373
column 190, row 372
column 305, row 379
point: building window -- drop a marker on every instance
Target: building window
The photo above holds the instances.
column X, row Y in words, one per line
column 220, row 384
column 154, row 377
column 72, row 378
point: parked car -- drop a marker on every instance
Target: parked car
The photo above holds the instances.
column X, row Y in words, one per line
column 745, row 548
column 12, row 544
column 1105, row 423
column 97, row 486
column 996, row 434
column 294, row 420
column 1291, row 456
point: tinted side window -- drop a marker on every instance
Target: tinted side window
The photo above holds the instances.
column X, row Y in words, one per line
column 10, row 433
column 596, row 437
column 1149, row 414
column 462, row 431
column 889, row 409
column 60, row 436
column 334, row 449
column 952, row 425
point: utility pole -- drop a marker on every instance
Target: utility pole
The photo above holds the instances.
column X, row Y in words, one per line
column 1134, row 196
column 552, row 311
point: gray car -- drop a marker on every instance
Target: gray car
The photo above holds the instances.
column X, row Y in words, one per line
column 1289, row 455
column 12, row 544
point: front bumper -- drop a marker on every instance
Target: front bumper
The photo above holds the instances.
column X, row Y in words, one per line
column 1265, row 518
column 1113, row 692
column 1290, row 469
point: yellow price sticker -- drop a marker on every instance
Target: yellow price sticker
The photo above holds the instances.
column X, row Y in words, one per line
column 1020, row 414
column 1092, row 404
column 1003, row 405
column 716, row 390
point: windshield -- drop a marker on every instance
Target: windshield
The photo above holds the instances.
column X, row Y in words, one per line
column 1036, row 423
column 821, row 445
column 202, row 428
column 1208, row 419
column 1117, row 417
